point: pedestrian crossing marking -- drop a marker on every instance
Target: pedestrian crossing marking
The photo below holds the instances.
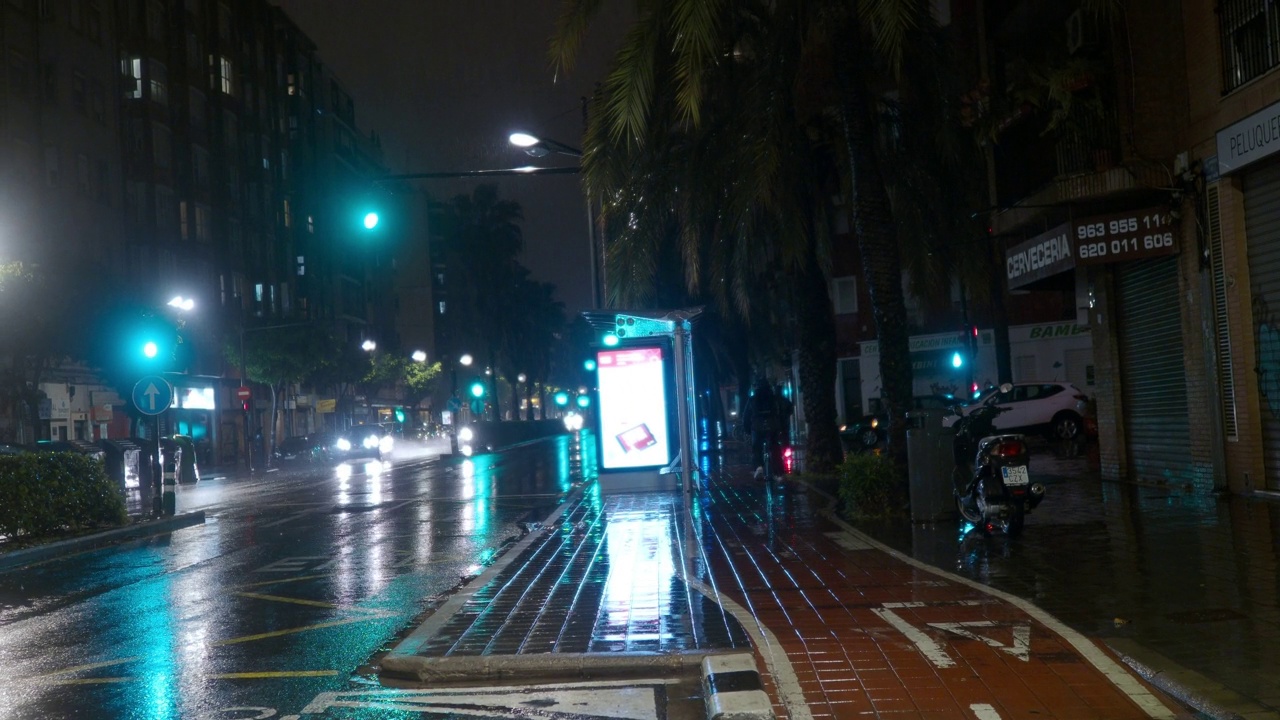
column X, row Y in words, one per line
column 618, row 700
column 848, row 541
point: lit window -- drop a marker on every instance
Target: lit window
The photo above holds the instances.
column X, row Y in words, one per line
column 131, row 74
column 441, row 307
column 158, row 83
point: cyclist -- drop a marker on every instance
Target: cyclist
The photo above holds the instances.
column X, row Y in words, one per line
column 760, row 416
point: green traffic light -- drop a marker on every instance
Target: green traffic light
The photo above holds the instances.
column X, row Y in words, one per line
column 583, row 401
column 610, row 340
column 562, row 398
column 957, row 360
column 150, row 349
column 370, row 220
column 477, row 389
column 400, row 415
column 590, row 365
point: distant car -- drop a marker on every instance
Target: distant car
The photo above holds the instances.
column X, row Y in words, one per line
column 302, row 448
column 357, row 442
column 1055, row 409
column 12, row 449
column 869, row 432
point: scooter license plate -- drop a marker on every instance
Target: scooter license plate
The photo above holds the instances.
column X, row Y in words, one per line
column 1015, row 475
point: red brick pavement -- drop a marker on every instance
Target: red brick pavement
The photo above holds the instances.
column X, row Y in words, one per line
column 847, row 628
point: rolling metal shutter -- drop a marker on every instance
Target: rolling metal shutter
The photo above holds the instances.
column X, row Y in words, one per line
column 1153, row 376
column 1262, row 228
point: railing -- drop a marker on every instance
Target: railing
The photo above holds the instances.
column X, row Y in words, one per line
column 1250, row 40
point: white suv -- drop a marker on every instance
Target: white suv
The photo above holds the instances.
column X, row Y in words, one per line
column 1055, row 409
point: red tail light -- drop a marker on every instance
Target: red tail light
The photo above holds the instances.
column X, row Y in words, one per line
column 1009, row 448
column 788, row 460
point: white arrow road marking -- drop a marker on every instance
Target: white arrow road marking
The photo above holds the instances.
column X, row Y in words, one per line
column 983, row 711
column 620, row 700
column 1020, row 649
column 930, row 649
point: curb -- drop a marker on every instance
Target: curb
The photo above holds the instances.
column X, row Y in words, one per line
column 732, row 689
column 1190, row 688
column 32, row 555
column 592, row 666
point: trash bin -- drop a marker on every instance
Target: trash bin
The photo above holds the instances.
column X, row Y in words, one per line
column 123, row 459
column 929, row 465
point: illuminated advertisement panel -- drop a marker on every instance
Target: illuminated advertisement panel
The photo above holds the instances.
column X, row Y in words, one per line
column 633, row 408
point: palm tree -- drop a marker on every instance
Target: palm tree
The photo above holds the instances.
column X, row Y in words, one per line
column 483, row 237
column 736, row 92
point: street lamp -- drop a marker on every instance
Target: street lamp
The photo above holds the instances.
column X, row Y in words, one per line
column 368, row 346
column 419, row 356
column 539, row 147
column 181, row 303
column 466, row 360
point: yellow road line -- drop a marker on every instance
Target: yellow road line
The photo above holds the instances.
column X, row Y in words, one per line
column 90, row 666
column 291, row 631
column 269, row 674
column 93, row 681
column 284, row 580
column 295, row 601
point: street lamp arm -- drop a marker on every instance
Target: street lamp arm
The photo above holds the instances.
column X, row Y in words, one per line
column 567, row 170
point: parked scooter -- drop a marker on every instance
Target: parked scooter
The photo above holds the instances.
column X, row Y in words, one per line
column 993, row 487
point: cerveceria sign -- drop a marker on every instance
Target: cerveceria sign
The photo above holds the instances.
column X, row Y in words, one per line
column 1101, row 239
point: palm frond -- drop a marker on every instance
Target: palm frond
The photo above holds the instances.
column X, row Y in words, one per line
column 571, row 26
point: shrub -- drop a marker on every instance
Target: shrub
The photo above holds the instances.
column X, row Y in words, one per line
column 871, row 487
column 47, row 493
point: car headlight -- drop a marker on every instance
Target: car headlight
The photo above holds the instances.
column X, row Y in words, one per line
column 343, row 444
column 465, row 434
column 875, row 423
column 386, row 443
column 370, row 442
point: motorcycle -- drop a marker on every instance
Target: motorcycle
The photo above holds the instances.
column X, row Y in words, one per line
column 993, row 488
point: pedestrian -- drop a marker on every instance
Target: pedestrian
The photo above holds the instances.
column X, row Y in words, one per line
column 760, row 418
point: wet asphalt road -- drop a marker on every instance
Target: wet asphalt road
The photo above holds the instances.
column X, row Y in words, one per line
column 297, row 579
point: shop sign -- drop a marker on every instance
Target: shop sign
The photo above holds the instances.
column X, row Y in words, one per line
column 1118, row 237
column 1043, row 255
column 326, row 405
column 102, row 413
column 921, row 343
column 1249, row 140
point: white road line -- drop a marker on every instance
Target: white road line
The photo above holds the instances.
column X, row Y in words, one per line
column 928, row 647
column 983, row 711
column 767, row 644
column 1124, row 681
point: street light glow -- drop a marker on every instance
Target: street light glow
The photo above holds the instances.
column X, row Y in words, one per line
column 370, row 220
column 523, row 140
column 184, row 304
column 368, row 346
column 521, row 377
column 150, row 350
column 465, row 360
column 419, row 356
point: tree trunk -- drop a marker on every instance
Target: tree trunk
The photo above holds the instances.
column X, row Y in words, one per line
column 874, row 227
column 816, row 353
column 493, row 387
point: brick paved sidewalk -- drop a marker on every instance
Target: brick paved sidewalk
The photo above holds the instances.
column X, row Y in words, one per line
column 841, row 626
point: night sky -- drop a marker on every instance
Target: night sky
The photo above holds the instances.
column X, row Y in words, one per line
column 444, row 83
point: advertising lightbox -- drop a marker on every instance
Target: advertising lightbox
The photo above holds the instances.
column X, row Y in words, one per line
column 633, row 408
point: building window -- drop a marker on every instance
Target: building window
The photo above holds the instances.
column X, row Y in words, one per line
column 49, row 83
column 311, row 224
column 440, row 307
column 1249, row 33
column 844, row 292
column 204, row 225
column 155, row 20
column 166, row 212
column 51, row 166
column 82, row 174
column 200, row 168
column 223, row 78
column 161, row 145
column 198, row 108
column 288, row 214
column 158, row 83
column 18, row 71
column 224, row 22
column 184, row 220
column 131, row 77
column 79, row 93
column 98, row 101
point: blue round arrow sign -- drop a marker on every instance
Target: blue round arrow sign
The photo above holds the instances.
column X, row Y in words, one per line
column 152, row 395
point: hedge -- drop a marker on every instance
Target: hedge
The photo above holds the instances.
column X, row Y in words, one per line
column 47, row 493
column 871, row 488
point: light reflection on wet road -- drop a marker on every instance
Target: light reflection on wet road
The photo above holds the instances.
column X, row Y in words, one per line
column 296, row 579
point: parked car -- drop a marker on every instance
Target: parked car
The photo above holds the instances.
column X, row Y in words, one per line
column 869, row 432
column 1055, row 409
column 75, row 446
